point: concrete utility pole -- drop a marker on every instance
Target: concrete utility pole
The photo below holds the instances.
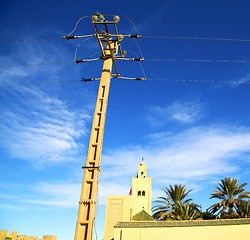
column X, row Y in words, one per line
column 87, row 207
column 110, row 51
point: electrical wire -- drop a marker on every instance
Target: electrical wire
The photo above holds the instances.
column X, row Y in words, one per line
column 131, row 23
column 29, row 40
column 40, row 83
column 86, row 69
column 198, row 60
column 139, row 48
column 34, row 64
column 77, row 24
column 185, row 80
column 160, row 60
column 201, row 38
column 80, row 44
column 166, row 37
column 139, row 63
column 44, row 39
column 194, row 80
column 128, row 78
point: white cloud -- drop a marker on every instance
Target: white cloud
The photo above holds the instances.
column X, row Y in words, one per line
column 189, row 157
column 246, row 78
column 36, row 124
column 60, row 194
column 56, row 194
column 11, row 207
column 184, row 112
column 46, row 131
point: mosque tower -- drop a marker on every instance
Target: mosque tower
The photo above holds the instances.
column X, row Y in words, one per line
column 141, row 191
column 124, row 208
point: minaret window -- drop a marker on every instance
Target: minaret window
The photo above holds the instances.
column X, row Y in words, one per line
column 143, row 193
column 139, row 193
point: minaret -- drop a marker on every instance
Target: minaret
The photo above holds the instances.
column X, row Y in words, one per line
column 141, row 191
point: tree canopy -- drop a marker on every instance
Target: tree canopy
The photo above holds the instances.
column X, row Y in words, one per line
column 230, row 193
column 175, row 204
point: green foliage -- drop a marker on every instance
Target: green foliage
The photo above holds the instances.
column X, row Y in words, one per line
column 207, row 216
column 243, row 209
column 175, row 205
column 230, row 193
column 185, row 211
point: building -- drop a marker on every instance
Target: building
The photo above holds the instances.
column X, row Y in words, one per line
column 124, row 208
column 223, row 229
column 129, row 218
column 4, row 235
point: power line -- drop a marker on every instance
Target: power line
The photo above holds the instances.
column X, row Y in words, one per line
column 200, row 38
column 34, row 64
column 160, row 60
column 135, row 79
column 195, row 80
column 77, row 24
column 45, row 39
column 40, row 83
column 163, row 37
column 29, row 40
column 198, row 60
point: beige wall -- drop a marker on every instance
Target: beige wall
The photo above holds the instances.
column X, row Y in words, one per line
column 140, row 203
column 117, row 210
column 202, row 230
column 123, row 208
column 5, row 234
column 15, row 236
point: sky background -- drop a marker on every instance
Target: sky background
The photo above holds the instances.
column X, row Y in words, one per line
column 191, row 133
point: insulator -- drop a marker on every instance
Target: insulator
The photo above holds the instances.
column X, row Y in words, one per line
column 87, row 79
column 134, row 36
column 137, row 59
column 116, row 19
column 101, row 18
column 94, row 18
column 123, row 53
column 120, row 37
column 69, row 37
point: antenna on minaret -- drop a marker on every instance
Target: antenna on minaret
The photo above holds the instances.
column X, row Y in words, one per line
column 142, row 159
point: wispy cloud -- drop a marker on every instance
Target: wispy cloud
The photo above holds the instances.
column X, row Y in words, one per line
column 35, row 124
column 180, row 111
column 151, row 21
column 191, row 156
column 246, row 78
column 43, row 130
column 42, row 194
column 55, row 194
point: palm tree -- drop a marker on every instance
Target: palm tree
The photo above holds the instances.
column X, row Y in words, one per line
column 230, row 192
column 174, row 195
column 243, row 209
column 207, row 216
column 188, row 211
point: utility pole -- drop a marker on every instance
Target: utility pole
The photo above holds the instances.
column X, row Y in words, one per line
column 87, row 204
column 110, row 51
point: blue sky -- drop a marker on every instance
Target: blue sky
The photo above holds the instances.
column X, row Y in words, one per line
column 188, row 133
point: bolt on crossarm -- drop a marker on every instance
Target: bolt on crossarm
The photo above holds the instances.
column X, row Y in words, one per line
column 87, row 204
